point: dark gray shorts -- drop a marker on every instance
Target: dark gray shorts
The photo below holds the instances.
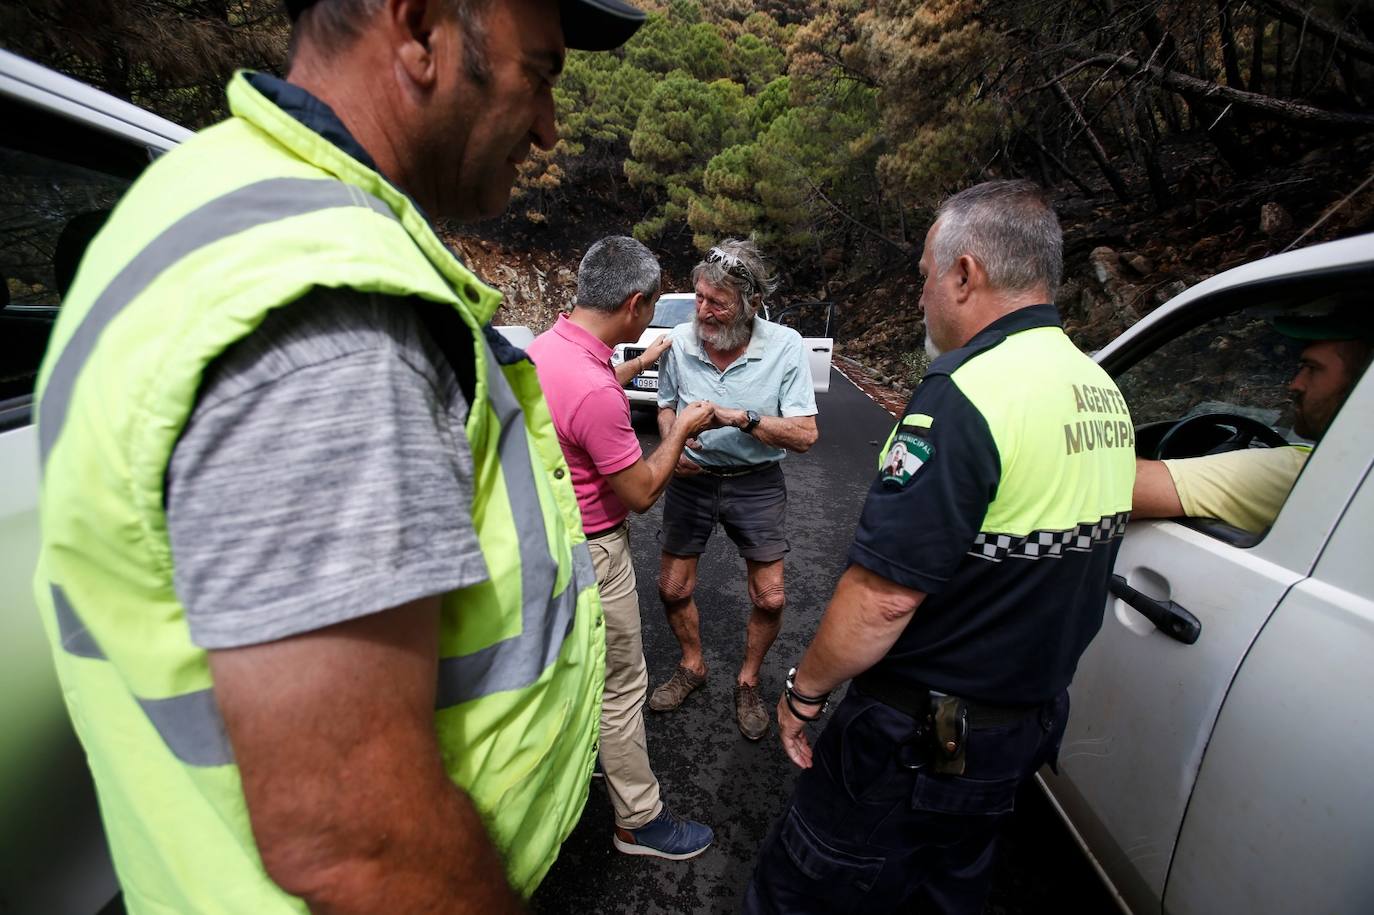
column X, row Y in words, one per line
column 752, row 508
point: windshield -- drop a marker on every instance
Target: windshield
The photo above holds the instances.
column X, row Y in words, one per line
column 670, row 312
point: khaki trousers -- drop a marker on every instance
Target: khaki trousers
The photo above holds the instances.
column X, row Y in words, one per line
column 624, row 753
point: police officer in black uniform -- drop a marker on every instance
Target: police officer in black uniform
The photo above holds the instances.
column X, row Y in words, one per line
column 977, row 576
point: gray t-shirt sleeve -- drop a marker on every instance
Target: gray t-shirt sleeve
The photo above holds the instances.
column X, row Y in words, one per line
column 324, row 475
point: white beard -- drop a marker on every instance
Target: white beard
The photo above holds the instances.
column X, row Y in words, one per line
column 933, row 352
column 725, row 337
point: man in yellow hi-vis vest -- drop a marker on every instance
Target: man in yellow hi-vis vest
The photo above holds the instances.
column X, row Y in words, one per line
column 312, row 566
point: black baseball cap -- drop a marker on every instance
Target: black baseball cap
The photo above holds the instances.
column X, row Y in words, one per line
column 588, row 25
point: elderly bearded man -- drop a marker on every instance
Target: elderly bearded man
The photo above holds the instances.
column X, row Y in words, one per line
column 312, row 567
column 756, row 372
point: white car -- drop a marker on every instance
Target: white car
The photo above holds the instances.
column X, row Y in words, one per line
column 66, row 155
column 1220, row 748
column 676, row 308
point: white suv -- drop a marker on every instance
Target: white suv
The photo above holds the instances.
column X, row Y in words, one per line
column 1220, row 748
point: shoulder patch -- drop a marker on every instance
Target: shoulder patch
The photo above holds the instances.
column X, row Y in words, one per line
column 908, row 451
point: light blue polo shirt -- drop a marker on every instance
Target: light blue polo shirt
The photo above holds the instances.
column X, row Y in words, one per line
column 771, row 378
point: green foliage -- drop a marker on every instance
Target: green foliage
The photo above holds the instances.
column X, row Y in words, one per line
column 668, row 43
column 682, row 124
column 931, row 58
column 754, row 62
column 599, row 99
column 770, row 104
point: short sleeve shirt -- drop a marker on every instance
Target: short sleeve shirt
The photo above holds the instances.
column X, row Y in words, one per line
column 591, row 414
column 923, row 513
column 1245, row 489
column 772, row 378
column 324, row 474
column 1002, row 494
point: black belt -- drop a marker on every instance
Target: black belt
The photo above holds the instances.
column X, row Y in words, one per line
column 914, row 700
column 735, row 470
column 606, row 533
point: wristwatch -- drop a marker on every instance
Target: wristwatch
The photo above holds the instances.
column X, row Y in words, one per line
column 751, row 422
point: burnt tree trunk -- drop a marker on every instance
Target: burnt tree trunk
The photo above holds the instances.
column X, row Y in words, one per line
column 1257, row 53
column 1228, row 45
column 1094, row 145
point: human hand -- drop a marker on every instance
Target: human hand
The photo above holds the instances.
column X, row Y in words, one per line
column 657, row 349
column 792, row 731
column 686, row 467
column 696, row 417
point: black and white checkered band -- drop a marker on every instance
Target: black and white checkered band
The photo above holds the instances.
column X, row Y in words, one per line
column 1050, row 544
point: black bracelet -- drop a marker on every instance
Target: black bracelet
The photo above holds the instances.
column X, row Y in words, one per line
column 802, row 697
column 787, row 696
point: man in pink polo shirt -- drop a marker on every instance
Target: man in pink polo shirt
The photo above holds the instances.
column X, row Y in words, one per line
column 617, row 287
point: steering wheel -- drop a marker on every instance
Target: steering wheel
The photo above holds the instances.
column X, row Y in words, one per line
column 1229, row 431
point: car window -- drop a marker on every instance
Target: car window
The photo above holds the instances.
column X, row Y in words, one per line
column 672, row 312
column 56, row 188
column 1234, row 364
column 810, row 319
column 1215, row 380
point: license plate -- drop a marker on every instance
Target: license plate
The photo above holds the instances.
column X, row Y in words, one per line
column 646, row 384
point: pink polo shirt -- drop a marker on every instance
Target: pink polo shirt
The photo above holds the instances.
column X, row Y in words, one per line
column 592, row 416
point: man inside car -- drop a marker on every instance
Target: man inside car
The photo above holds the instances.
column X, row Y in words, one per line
column 1246, row 488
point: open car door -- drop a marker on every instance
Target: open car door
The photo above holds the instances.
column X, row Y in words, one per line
column 815, row 322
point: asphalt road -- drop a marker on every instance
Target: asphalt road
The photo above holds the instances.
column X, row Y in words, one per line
column 708, row 771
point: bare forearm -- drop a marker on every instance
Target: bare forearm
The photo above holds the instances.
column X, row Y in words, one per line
column 1154, row 495
column 350, row 805
column 794, row 433
column 434, row 857
column 629, row 369
column 666, row 417
column 662, row 461
column 866, row 615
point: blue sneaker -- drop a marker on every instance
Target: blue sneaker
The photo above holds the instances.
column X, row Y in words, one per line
column 665, row 836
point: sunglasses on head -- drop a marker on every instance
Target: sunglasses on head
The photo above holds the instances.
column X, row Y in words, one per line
column 733, row 266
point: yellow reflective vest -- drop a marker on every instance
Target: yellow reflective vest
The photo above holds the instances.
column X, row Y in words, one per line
column 243, row 218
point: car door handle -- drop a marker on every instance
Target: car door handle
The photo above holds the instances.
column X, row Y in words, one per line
column 820, row 349
column 1168, row 617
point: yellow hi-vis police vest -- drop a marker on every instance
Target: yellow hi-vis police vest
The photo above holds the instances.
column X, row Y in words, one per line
column 241, row 219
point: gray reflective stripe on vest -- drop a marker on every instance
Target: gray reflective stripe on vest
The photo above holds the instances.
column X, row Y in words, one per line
column 545, row 617
column 76, row 638
column 191, row 726
column 237, row 211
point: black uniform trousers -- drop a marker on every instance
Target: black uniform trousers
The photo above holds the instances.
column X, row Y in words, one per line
column 872, row 829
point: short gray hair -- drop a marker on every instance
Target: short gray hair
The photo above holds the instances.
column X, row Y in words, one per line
column 335, row 24
column 735, row 263
column 612, row 270
column 1009, row 228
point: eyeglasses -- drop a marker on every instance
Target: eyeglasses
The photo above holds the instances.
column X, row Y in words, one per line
column 734, row 266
